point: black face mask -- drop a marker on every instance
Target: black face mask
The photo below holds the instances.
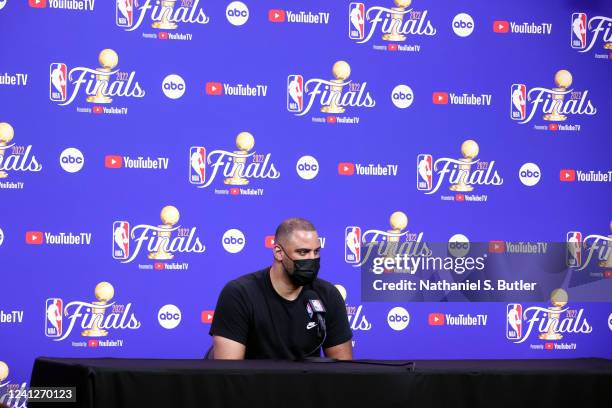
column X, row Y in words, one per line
column 304, row 270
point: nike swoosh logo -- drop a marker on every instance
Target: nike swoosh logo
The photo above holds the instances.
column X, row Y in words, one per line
column 310, row 325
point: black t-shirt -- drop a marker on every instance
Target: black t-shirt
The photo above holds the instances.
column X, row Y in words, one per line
column 251, row 312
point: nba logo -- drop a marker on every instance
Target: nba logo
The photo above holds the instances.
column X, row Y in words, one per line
column 121, row 239
column 424, row 172
column 295, row 93
column 197, row 166
column 356, row 21
column 125, row 13
column 574, row 249
column 578, row 33
column 514, row 321
column 57, row 81
column 518, row 100
column 352, row 244
column 53, row 322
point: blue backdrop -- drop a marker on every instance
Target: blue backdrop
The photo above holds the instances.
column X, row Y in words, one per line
column 150, row 98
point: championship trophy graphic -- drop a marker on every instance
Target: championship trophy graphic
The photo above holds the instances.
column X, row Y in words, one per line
column 398, row 222
column 558, row 298
column 104, row 293
column 563, row 80
column 607, row 263
column 469, row 150
column 4, row 371
column 165, row 23
column 6, row 135
column 169, row 216
column 244, row 142
column 341, row 71
column 108, row 60
column 397, row 17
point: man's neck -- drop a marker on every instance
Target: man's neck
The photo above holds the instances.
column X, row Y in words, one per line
column 282, row 284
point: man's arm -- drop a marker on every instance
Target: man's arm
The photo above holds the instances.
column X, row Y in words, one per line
column 230, row 325
column 342, row 351
column 226, row 349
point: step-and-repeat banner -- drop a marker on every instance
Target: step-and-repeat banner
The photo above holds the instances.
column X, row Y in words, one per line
column 149, row 149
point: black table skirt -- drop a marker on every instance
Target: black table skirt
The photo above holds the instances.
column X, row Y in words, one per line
column 125, row 383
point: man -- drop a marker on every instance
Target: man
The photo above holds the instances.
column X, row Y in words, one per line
column 264, row 314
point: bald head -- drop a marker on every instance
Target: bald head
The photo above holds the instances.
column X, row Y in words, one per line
column 288, row 227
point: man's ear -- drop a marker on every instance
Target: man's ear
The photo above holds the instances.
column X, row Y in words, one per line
column 278, row 253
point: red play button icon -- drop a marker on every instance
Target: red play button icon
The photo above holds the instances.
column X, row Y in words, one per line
column 207, row 316
column 567, row 175
column 497, row 247
column 440, row 98
column 269, row 241
column 346, row 169
column 37, row 3
column 276, row 15
column 214, row 88
column 435, row 319
column 34, row 237
column 501, row 26
column 113, row 162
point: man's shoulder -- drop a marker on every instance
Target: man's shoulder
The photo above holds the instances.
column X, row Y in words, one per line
column 248, row 282
column 324, row 288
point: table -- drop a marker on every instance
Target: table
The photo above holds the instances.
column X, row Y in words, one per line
column 135, row 383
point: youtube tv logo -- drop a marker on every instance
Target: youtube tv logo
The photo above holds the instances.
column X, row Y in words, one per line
column 269, row 241
column 93, row 343
column 276, row 16
column 113, row 162
column 567, row 175
column 214, row 88
column 501, row 26
column 159, row 266
column 37, row 3
column 34, row 238
column 440, row 98
column 207, row 316
column 346, row 169
column 435, row 319
column 497, row 247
